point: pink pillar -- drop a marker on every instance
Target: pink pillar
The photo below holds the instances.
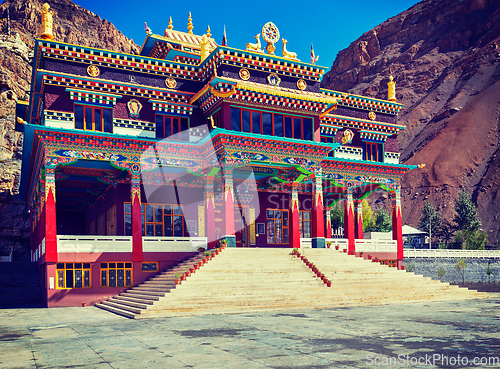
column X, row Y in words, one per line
column 397, row 225
column 228, row 208
column 318, row 222
column 294, row 217
column 210, row 213
column 349, row 221
column 135, row 194
column 359, row 219
column 328, row 223
column 49, row 216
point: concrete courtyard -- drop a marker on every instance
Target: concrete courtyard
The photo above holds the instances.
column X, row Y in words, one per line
column 456, row 334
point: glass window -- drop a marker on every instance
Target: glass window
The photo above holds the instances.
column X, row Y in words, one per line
column 308, row 128
column 297, row 129
column 173, row 128
column 277, row 226
column 116, row 274
column 305, row 223
column 71, row 275
column 278, row 125
column 93, row 118
column 235, row 119
column 267, row 123
column 158, row 220
column 245, row 121
column 256, row 122
column 288, row 127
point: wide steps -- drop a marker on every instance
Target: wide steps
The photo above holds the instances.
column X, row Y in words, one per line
column 245, row 280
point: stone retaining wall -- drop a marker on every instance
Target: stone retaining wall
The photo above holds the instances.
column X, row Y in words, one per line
column 474, row 271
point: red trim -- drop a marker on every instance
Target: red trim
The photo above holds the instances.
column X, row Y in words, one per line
column 397, row 229
column 136, row 229
column 210, row 222
column 318, row 221
column 50, row 226
column 294, row 222
column 359, row 221
column 349, row 225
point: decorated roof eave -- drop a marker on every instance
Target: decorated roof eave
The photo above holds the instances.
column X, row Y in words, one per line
column 345, row 94
column 355, row 121
column 152, row 39
column 402, row 168
column 260, row 88
column 43, row 73
column 94, row 52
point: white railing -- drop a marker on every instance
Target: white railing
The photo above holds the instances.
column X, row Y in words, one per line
column 305, row 243
column 73, row 244
column 348, row 152
column 342, row 243
column 173, row 244
column 376, row 245
column 6, row 259
column 445, row 253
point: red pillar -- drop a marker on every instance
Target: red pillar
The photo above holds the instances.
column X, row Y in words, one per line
column 359, row 219
column 49, row 215
column 228, row 208
column 210, row 213
column 328, row 223
column 349, row 221
column 318, row 223
column 294, row 217
column 397, row 225
column 135, row 194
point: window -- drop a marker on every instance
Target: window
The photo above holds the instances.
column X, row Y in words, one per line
column 372, row 151
column 111, row 220
column 149, row 266
column 305, row 223
column 172, row 127
column 271, row 124
column 116, row 274
column 101, row 223
column 73, row 275
column 158, row 220
column 277, row 226
column 216, row 119
column 93, row 118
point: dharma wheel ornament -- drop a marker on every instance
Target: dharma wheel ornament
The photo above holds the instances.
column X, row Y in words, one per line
column 271, row 35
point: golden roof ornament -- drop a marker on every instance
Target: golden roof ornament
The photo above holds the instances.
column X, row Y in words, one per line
column 46, row 29
column 208, row 32
column 190, row 24
column 271, row 35
column 204, row 48
column 391, row 93
column 170, row 24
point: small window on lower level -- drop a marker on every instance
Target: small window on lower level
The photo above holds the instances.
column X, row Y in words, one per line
column 149, row 266
column 73, row 275
column 116, row 274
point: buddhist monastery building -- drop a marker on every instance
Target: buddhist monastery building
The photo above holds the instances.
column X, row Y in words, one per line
column 134, row 162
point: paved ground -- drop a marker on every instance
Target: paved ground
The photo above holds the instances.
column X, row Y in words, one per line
column 335, row 338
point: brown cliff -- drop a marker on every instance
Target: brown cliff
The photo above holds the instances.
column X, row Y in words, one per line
column 445, row 56
column 72, row 24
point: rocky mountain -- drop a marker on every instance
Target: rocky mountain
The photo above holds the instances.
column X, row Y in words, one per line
column 72, row 24
column 445, row 58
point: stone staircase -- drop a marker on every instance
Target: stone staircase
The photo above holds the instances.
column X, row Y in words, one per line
column 252, row 279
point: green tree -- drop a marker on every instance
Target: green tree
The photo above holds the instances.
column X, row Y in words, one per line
column 445, row 233
column 430, row 220
column 467, row 223
column 460, row 266
column 368, row 221
column 466, row 214
column 337, row 216
column 382, row 221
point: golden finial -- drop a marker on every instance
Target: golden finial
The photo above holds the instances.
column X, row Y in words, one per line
column 190, row 24
column 391, row 93
column 46, row 29
column 208, row 32
column 170, row 24
column 204, row 50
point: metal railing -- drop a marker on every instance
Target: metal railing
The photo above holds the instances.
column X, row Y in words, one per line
column 445, row 253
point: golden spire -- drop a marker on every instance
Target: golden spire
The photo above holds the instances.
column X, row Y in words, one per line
column 208, row 32
column 190, row 24
column 170, row 25
column 46, row 29
column 391, row 93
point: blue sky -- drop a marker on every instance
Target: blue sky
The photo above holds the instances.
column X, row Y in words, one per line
column 330, row 25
